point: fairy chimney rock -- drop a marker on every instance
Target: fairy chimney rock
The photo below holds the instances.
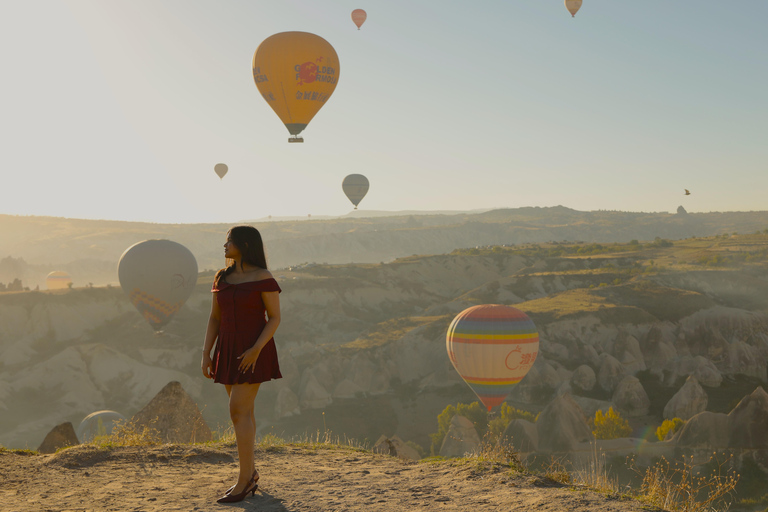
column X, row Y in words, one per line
column 460, row 439
column 175, row 416
column 60, row 436
column 689, row 401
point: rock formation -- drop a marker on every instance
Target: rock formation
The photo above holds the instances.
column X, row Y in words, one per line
column 174, row 415
column 707, row 430
column 583, row 379
column 748, row 422
column 395, row 447
column 631, row 398
column 59, row 437
column 461, row 438
column 561, row 426
column 523, row 435
column 689, row 401
column 610, row 373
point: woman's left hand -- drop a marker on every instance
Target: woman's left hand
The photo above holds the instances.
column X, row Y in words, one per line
column 248, row 359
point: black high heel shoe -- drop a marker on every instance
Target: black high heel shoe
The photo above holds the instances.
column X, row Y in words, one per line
column 254, row 479
column 234, row 498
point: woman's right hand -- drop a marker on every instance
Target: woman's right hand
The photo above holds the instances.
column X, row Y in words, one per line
column 207, row 366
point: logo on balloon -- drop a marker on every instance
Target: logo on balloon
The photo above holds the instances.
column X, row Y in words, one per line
column 306, row 73
column 514, row 359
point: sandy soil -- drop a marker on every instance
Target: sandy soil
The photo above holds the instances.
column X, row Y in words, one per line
column 293, row 478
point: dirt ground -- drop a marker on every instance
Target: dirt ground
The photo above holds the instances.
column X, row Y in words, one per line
column 293, row 478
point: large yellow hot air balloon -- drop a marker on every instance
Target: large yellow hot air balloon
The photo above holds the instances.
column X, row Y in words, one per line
column 492, row 347
column 158, row 276
column 358, row 17
column 296, row 73
column 355, row 186
column 58, row 280
column 573, row 6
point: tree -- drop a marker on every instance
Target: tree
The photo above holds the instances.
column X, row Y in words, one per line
column 610, row 425
column 669, row 427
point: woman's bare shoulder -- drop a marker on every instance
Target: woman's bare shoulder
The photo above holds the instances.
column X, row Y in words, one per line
column 263, row 274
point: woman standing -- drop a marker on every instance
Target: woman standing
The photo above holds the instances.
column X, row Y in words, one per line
column 244, row 316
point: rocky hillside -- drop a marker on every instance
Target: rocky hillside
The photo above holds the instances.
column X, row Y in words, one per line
column 31, row 247
column 362, row 347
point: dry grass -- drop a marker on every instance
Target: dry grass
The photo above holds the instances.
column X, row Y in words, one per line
column 128, row 433
column 679, row 487
column 595, row 473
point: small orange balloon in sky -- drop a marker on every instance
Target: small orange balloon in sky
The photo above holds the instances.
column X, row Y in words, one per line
column 573, row 6
column 359, row 16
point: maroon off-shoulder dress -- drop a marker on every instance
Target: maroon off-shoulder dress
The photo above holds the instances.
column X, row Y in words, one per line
column 243, row 317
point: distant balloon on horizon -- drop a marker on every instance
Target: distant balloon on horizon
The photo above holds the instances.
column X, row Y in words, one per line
column 58, row 280
column 220, row 170
column 573, row 6
column 358, row 17
column 355, row 186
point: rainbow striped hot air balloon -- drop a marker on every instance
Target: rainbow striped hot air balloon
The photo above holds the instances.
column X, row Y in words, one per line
column 492, row 347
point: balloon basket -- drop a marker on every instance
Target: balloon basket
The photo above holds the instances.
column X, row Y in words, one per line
column 295, row 139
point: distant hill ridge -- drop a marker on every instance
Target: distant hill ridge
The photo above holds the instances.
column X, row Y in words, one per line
column 89, row 249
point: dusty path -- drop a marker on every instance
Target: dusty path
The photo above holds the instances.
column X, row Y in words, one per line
column 180, row 477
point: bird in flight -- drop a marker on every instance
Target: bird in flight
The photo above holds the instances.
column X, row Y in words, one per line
column 687, row 192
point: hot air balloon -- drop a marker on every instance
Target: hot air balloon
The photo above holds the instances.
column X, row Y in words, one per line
column 355, row 187
column 358, row 17
column 296, row 73
column 58, row 280
column 221, row 170
column 99, row 423
column 492, row 347
column 573, row 6
column 158, row 276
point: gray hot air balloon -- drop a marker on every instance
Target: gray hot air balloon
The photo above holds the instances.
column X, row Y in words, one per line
column 158, row 276
column 99, row 423
column 220, row 169
column 355, row 187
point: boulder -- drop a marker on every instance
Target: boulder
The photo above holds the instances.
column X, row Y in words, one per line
column 174, row 415
column 706, row 430
column 461, row 438
column 395, row 447
column 562, row 425
column 60, row 436
column 689, row 401
column 287, row 403
column 748, row 422
column 745, row 359
column 523, row 435
column 583, row 379
column 631, row 398
column 706, row 372
column 611, row 372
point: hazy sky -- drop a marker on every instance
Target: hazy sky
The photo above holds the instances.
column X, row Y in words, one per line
column 120, row 109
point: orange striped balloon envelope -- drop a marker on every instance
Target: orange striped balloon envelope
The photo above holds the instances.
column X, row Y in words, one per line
column 158, row 276
column 296, row 73
column 492, row 347
column 358, row 17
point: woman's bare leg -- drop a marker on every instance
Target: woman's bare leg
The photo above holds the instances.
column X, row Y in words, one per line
column 241, row 398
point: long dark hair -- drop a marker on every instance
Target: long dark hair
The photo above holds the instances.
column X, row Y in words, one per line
column 248, row 241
